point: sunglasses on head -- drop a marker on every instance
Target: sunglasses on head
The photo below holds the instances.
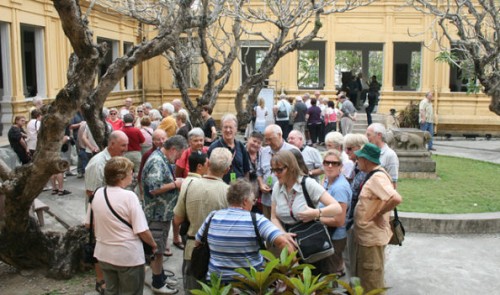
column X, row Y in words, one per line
column 331, row 163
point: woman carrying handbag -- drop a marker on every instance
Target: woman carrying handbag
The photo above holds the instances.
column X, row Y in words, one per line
column 289, row 203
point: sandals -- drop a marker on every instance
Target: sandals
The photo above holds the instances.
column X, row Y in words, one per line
column 179, row 245
column 54, row 192
column 99, row 287
column 63, row 192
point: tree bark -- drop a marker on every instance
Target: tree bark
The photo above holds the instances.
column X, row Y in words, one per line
column 22, row 244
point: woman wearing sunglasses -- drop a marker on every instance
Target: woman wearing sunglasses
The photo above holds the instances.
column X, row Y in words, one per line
column 337, row 185
column 289, row 205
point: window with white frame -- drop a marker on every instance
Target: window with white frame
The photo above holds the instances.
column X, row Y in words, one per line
column 33, row 62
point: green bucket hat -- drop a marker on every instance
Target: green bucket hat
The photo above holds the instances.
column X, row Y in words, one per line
column 370, row 152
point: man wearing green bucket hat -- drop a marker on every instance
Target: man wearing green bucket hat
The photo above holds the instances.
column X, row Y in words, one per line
column 371, row 218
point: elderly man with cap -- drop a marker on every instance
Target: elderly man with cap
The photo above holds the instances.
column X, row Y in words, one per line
column 372, row 230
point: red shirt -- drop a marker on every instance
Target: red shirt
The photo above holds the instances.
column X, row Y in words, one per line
column 117, row 125
column 183, row 161
column 135, row 138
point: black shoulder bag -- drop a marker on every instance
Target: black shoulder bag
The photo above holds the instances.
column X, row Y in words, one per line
column 313, row 239
column 200, row 256
column 148, row 250
column 89, row 246
column 397, row 228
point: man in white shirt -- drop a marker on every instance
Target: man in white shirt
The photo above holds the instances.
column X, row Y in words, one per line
column 426, row 117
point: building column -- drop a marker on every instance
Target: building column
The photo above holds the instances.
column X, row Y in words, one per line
column 6, row 98
column 330, row 66
column 387, row 79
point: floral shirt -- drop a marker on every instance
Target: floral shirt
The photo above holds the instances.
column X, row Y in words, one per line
column 156, row 172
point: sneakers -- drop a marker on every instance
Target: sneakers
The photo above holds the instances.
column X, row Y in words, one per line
column 171, row 281
column 164, row 290
column 69, row 173
column 80, row 175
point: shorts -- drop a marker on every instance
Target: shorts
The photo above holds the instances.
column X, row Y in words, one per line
column 159, row 230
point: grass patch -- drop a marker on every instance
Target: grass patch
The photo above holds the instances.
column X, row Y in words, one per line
column 463, row 186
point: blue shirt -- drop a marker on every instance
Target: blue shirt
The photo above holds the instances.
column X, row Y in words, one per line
column 233, row 242
column 341, row 191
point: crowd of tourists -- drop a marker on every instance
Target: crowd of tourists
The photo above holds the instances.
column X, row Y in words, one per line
column 159, row 174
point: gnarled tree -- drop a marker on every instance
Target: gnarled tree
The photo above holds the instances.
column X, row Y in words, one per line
column 472, row 30
column 293, row 25
column 22, row 244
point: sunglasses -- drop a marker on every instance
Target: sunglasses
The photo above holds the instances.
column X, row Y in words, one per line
column 278, row 170
column 139, row 111
column 349, row 148
column 331, row 163
column 112, row 113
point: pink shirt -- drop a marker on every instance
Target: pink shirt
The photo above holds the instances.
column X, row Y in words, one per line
column 116, row 243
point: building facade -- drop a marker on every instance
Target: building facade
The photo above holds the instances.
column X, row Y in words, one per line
column 389, row 41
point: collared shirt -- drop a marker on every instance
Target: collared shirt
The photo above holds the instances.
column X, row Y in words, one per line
column 94, row 172
column 377, row 190
column 389, row 161
column 295, row 201
column 156, row 173
column 312, row 159
column 240, row 163
column 233, row 241
column 197, row 198
column 264, row 169
column 425, row 107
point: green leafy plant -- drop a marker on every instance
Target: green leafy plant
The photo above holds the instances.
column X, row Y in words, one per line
column 308, row 284
column 287, row 262
column 354, row 288
column 214, row 288
column 408, row 117
column 285, row 276
column 257, row 282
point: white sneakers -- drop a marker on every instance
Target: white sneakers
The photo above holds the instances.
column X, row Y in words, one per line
column 164, row 290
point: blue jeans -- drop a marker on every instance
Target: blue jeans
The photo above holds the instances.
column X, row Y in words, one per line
column 430, row 128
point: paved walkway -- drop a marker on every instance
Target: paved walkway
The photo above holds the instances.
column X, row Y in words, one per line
column 425, row 264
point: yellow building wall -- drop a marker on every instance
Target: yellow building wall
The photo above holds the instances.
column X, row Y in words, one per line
column 383, row 22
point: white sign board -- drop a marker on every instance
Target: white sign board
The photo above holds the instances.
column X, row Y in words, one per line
column 268, row 95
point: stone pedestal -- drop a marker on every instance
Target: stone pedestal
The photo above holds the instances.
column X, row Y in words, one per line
column 411, row 147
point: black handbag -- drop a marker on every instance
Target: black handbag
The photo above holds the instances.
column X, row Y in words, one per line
column 89, row 246
column 313, row 239
column 148, row 250
column 200, row 256
column 398, row 231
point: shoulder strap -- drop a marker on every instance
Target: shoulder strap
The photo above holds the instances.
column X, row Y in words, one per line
column 257, row 234
column 370, row 174
column 91, row 229
column 114, row 212
column 306, row 194
column 396, row 218
column 185, row 198
column 205, row 232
